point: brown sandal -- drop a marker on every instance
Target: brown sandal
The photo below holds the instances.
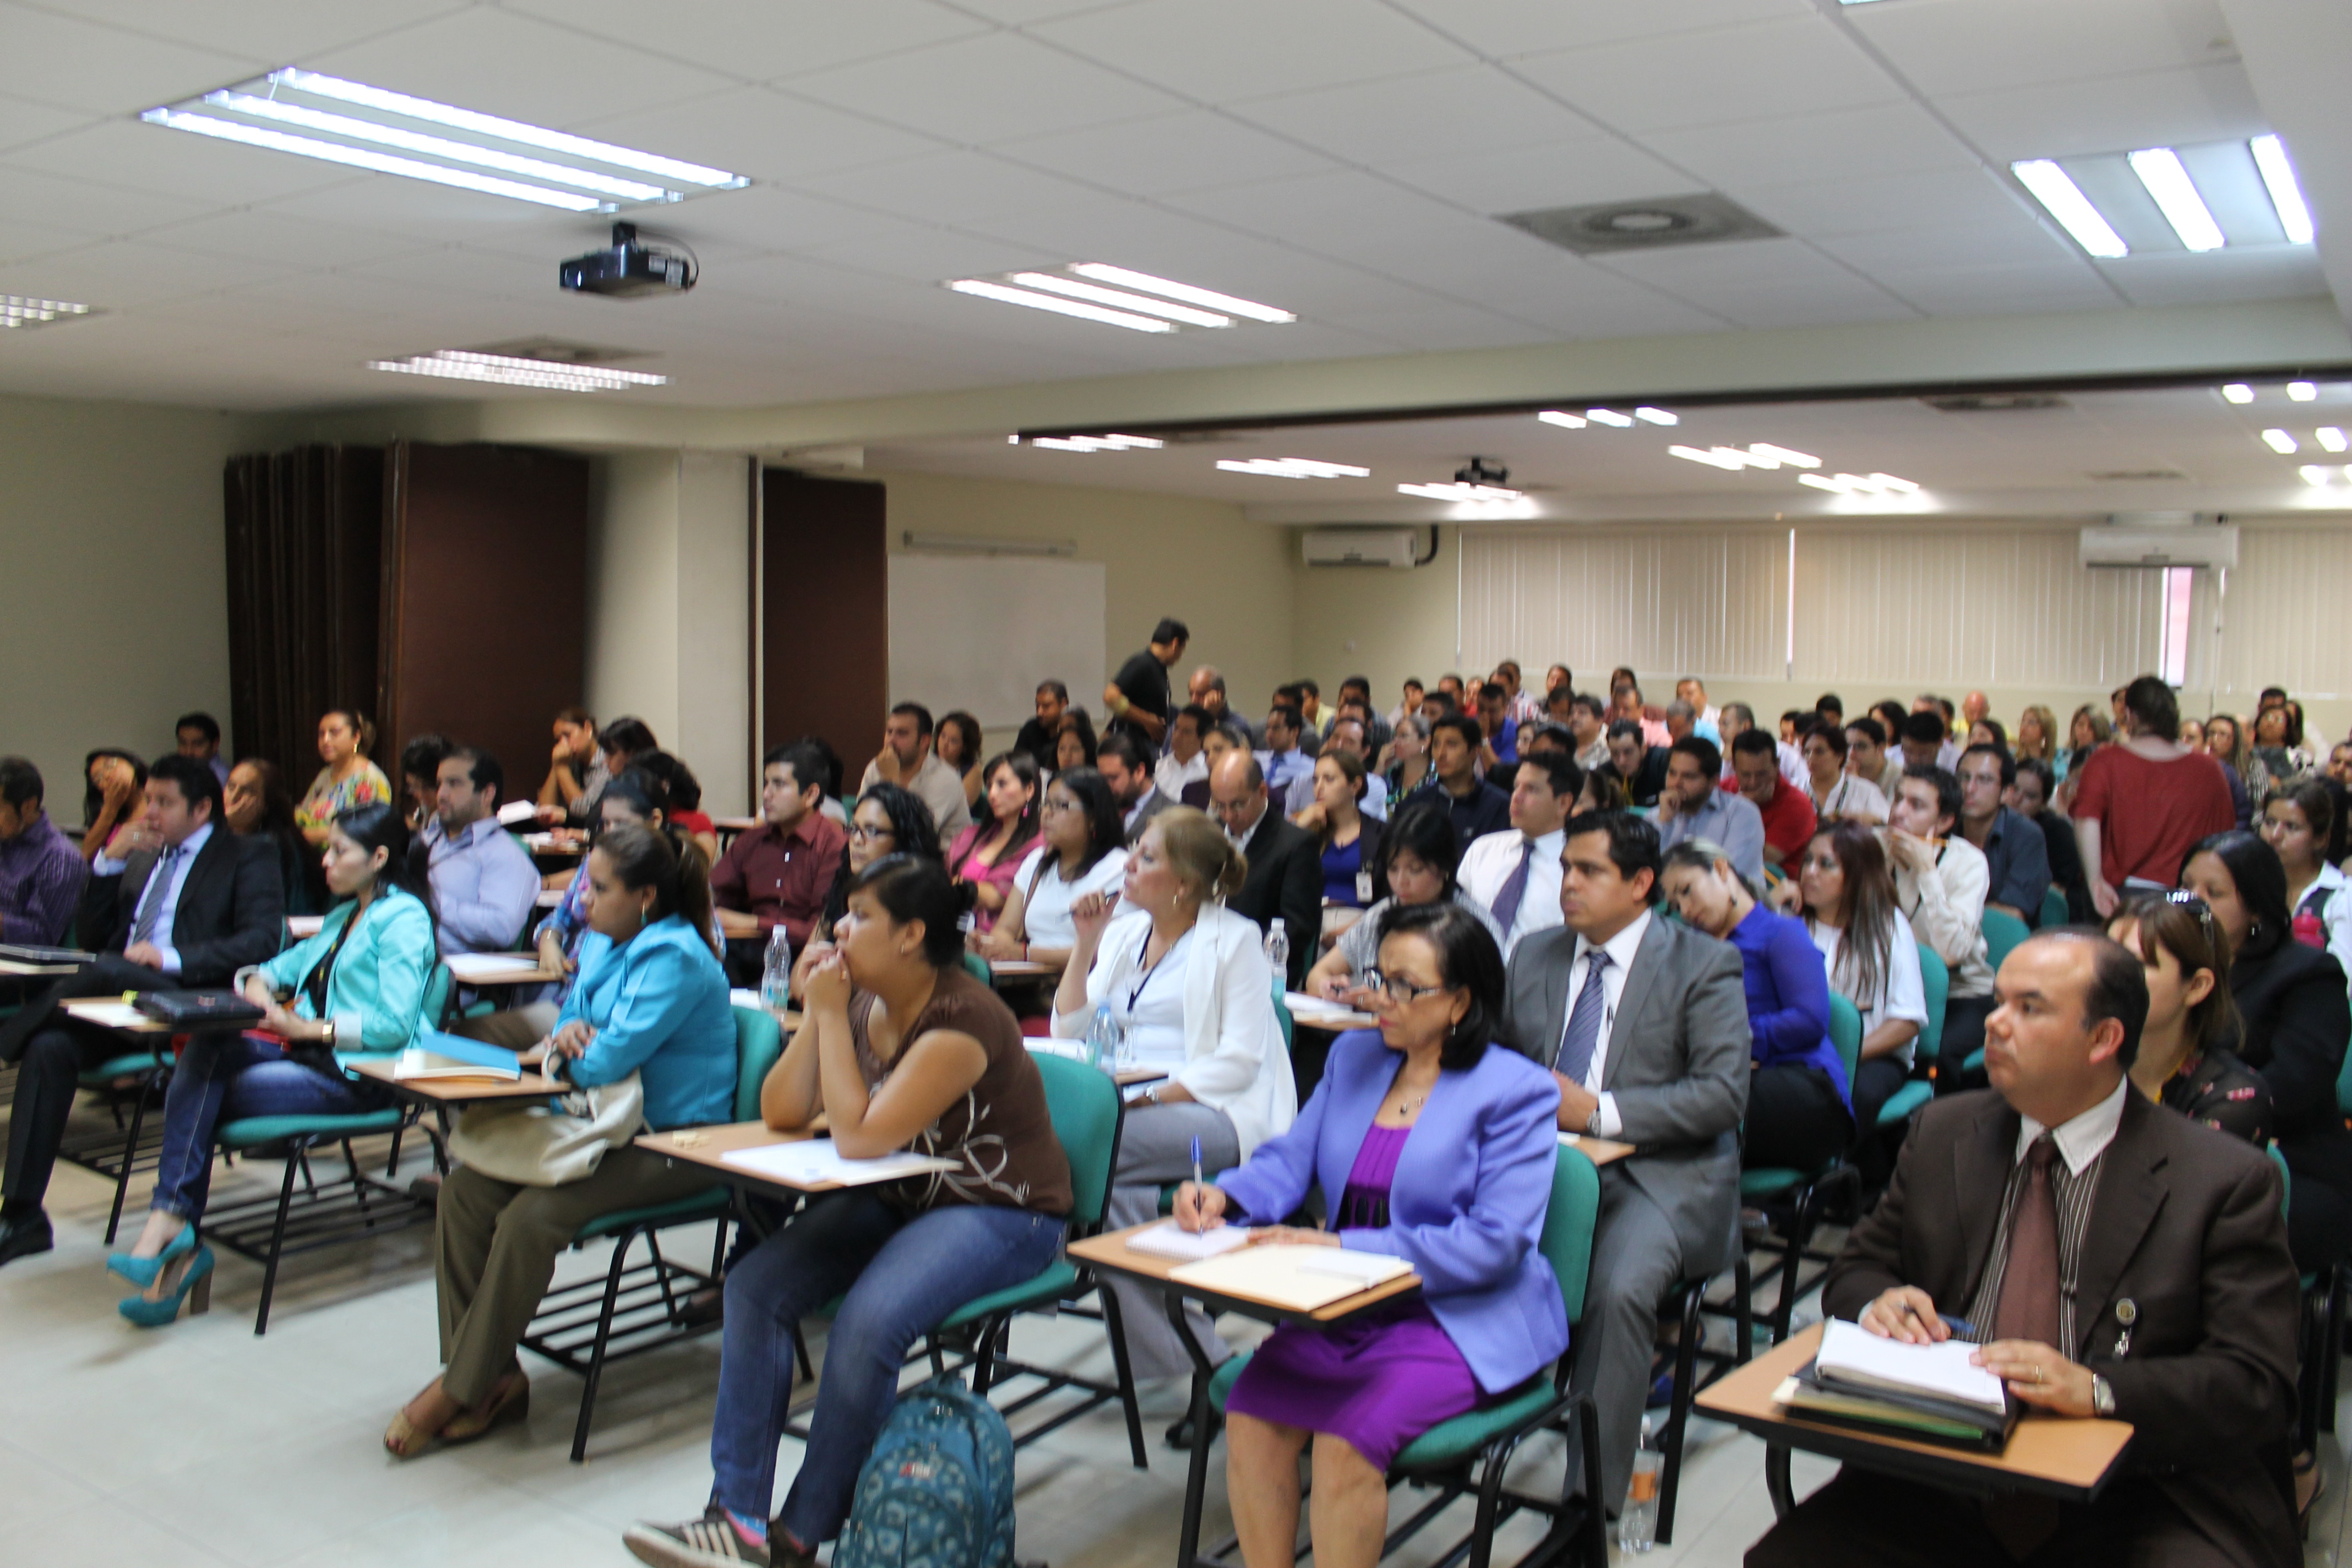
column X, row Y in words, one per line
column 404, row 1440
column 509, row 1403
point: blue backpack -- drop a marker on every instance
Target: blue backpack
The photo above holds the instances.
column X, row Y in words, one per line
column 937, row 1490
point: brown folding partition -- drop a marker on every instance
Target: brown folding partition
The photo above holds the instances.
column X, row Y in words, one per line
column 824, row 613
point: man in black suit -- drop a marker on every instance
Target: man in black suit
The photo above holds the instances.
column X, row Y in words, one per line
column 1119, row 759
column 2180, row 1318
column 190, row 906
column 1286, row 870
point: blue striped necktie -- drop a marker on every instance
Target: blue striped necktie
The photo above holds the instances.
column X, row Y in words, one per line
column 1514, row 889
column 1583, row 1034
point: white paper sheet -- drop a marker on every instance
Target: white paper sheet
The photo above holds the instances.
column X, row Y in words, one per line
column 471, row 967
column 1855, row 1356
column 815, row 1159
column 1167, row 1240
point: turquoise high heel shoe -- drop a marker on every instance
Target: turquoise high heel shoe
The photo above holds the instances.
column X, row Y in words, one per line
column 144, row 1271
column 196, row 1289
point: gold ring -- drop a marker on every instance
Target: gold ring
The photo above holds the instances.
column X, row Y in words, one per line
column 2038, row 1375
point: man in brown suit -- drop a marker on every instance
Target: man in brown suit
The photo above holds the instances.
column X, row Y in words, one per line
column 2181, row 1319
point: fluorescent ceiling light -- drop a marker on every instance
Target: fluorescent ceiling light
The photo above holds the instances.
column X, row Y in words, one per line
column 1293, row 468
column 471, row 150
column 2064, row 200
column 2313, row 474
column 1459, row 491
column 985, row 290
column 1763, row 455
column 19, row 310
column 1118, row 299
column 460, row 364
column 2278, row 441
column 2286, row 192
column 2237, row 391
column 1207, row 299
column 2329, row 436
column 2302, row 390
column 1656, row 416
column 1731, row 460
column 1565, row 421
column 2160, row 170
column 1099, row 443
column 1608, row 416
column 1860, row 484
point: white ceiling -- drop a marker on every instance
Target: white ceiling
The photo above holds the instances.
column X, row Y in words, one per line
column 2100, row 452
column 1340, row 158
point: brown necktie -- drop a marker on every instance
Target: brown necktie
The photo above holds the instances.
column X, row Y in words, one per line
column 2029, row 1287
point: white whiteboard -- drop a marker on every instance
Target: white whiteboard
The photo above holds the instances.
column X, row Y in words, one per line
column 980, row 632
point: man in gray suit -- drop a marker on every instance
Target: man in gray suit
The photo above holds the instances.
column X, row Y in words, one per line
column 1645, row 1025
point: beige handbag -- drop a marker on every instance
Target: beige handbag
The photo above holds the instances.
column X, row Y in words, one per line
column 546, row 1145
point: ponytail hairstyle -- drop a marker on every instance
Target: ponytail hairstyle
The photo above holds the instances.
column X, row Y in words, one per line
column 685, row 789
column 911, row 887
column 381, row 826
column 362, row 728
column 1204, row 860
column 643, row 856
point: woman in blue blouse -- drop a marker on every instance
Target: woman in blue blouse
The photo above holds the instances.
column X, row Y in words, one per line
column 1799, row 1105
column 358, row 986
column 650, row 1000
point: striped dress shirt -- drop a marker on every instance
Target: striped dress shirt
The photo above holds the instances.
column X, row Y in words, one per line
column 2074, row 1184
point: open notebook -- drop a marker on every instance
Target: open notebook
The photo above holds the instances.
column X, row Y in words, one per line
column 1300, row 1279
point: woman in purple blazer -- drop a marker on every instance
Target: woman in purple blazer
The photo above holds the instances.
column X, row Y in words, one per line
column 1429, row 1144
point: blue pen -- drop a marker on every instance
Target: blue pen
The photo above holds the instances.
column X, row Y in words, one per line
column 1196, row 1162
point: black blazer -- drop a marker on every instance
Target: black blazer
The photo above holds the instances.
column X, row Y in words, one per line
column 2185, row 1226
column 231, row 914
column 2293, row 1023
column 1285, row 883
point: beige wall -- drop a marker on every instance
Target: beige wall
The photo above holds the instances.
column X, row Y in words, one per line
column 111, row 548
column 1201, row 561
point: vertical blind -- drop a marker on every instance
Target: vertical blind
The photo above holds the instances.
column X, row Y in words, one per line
column 1977, row 605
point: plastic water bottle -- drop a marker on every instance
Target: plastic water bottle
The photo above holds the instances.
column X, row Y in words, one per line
column 1277, row 951
column 1637, row 1521
column 776, row 977
column 1105, row 1040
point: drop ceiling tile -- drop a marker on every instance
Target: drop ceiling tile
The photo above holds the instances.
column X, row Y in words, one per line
column 471, row 58
column 1842, row 143
column 73, row 64
column 23, row 121
column 954, row 187
column 261, row 234
column 265, row 32
column 1968, row 46
column 1501, row 28
column 1923, row 199
column 2111, row 114
column 1021, row 12
column 1219, row 51
column 84, row 206
column 925, row 255
column 122, row 151
column 1691, row 270
column 124, row 274
column 978, row 91
column 2020, row 242
column 1347, row 212
column 1711, row 78
column 1167, row 153
column 1528, row 179
column 1588, row 301
column 761, row 132
column 766, row 218
column 446, row 214
column 2265, row 272
column 1465, row 109
column 1442, row 327
column 2022, row 288
column 760, row 39
column 1820, row 303
column 24, row 242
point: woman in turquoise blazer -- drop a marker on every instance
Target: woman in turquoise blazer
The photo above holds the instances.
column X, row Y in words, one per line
column 357, row 987
column 651, row 1000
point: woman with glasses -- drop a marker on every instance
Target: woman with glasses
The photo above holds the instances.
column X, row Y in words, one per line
column 889, row 820
column 1429, row 1143
column 2294, row 1022
column 1081, row 850
column 1186, row 980
column 2184, row 1060
column 2297, row 822
column 1418, row 854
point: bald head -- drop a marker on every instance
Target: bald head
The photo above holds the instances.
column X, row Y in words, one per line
column 2065, row 1028
column 1975, row 706
column 1237, row 793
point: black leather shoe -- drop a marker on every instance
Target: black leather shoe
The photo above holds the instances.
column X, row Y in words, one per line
column 1179, row 1435
column 24, row 1236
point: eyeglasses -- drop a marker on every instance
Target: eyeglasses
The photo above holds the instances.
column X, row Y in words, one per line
column 1052, row 805
column 1404, row 993
column 863, row 834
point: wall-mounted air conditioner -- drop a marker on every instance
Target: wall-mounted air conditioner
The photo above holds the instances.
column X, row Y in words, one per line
column 1398, row 547
column 2198, row 546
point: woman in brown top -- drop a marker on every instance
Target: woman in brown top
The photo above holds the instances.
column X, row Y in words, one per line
column 900, row 1049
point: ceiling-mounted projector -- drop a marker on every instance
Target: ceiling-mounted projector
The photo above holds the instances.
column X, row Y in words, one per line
column 630, row 268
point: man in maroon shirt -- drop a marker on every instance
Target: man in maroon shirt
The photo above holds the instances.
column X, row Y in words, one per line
column 1787, row 813
column 779, row 873
column 2143, row 802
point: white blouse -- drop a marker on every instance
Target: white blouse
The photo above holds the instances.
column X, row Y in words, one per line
column 1045, row 917
column 1903, row 991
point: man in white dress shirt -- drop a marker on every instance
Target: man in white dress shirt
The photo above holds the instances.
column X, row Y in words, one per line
column 1515, row 873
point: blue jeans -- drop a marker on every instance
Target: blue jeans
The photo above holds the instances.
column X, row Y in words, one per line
column 226, row 1077
column 902, row 1275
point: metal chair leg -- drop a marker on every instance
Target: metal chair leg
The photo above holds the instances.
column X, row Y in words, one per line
column 800, row 1354
column 276, row 1247
column 596, row 1353
column 1678, row 1413
column 1128, row 1405
column 129, row 1152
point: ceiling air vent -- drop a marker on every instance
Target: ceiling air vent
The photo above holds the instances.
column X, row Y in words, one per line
column 1647, row 225
column 1997, row 403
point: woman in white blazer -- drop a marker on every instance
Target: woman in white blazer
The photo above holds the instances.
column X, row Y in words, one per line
column 1188, row 980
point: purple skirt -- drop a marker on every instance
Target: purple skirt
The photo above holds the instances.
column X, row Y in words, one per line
column 1377, row 1382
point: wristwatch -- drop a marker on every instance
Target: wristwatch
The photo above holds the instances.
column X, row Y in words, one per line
column 2102, row 1398
column 1592, row 1123
column 327, row 1039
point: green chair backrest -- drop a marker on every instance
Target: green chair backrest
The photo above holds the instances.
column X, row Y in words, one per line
column 436, row 995
column 2054, row 909
column 759, row 1041
column 1846, row 1033
column 1082, row 1102
column 1566, row 1239
column 2344, row 1085
column 1282, row 1011
column 2001, row 933
column 977, row 967
column 1937, row 981
column 2286, row 1177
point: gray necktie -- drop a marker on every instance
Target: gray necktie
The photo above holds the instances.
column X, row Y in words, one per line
column 142, row 928
column 1583, row 1034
